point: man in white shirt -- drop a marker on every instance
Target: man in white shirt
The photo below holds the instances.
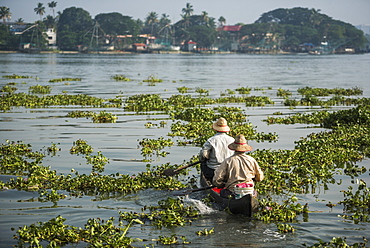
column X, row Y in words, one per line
column 215, row 150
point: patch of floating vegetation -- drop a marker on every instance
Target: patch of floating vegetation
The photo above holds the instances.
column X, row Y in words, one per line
column 40, row 89
column 121, row 78
column 15, row 76
column 57, row 80
column 314, row 162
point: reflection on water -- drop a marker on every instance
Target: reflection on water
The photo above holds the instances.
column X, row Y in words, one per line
column 119, row 141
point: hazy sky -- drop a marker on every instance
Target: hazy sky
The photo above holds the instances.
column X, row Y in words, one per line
column 234, row 11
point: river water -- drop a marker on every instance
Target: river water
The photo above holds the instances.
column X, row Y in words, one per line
column 119, row 141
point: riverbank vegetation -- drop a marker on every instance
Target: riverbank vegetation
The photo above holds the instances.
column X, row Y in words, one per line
column 288, row 30
column 314, row 162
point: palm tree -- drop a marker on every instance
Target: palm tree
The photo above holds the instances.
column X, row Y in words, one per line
column 221, row 21
column 188, row 10
column 19, row 21
column 5, row 13
column 205, row 18
column 40, row 10
column 49, row 21
column 151, row 20
column 52, row 5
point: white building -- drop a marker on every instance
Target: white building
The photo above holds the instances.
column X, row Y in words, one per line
column 52, row 38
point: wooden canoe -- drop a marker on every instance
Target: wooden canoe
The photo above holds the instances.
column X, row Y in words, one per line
column 247, row 205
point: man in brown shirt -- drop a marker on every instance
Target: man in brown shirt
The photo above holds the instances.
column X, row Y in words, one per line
column 238, row 170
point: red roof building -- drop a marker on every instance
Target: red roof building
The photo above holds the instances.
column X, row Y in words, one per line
column 230, row 28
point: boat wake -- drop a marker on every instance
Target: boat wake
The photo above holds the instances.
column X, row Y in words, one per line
column 202, row 208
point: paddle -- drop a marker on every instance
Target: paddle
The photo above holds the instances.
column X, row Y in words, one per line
column 186, row 192
column 172, row 172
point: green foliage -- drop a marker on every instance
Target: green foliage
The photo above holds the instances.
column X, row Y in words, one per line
column 151, row 146
column 357, row 203
column 337, row 242
column 104, row 117
column 285, row 228
column 244, row 90
column 309, row 91
column 299, row 25
column 121, row 78
column 272, row 211
column 169, row 212
column 359, row 115
column 115, row 24
column 81, row 147
column 205, row 232
column 39, row 89
column 55, row 80
column 15, row 76
column 33, row 101
column 283, row 93
column 311, row 118
column 96, row 232
column 72, row 26
column 79, row 114
column 8, row 89
column 145, row 103
column 183, row 89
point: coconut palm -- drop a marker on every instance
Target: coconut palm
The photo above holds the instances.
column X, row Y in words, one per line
column 5, row 13
column 188, row 10
column 49, row 21
column 40, row 10
column 205, row 18
column 19, row 21
column 151, row 20
column 52, row 5
column 221, row 21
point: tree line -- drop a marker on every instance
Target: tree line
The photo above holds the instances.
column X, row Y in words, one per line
column 283, row 29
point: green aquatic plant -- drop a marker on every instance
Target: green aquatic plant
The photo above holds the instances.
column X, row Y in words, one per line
column 15, row 76
column 311, row 118
column 169, row 212
column 152, row 79
column 309, row 91
column 202, row 92
column 285, row 228
column 283, row 93
column 145, row 103
column 81, row 147
column 34, row 101
column 183, row 89
column 104, row 117
column 253, row 101
column 8, row 89
column 271, row 211
column 154, row 146
column 96, row 233
column 244, row 90
column 79, row 114
column 121, row 78
column 98, row 162
column 356, row 203
column 63, row 79
column 337, row 242
column 101, row 117
column 40, row 89
column 205, row 232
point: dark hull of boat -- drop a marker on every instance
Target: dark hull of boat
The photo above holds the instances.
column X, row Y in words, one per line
column 247, row 205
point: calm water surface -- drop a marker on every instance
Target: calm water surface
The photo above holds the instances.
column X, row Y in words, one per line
column 119, row 141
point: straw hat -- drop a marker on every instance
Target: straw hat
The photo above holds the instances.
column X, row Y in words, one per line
column 240, row 144
column 221, row 125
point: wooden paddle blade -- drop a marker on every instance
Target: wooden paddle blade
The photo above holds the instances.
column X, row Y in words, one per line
column 169, row 172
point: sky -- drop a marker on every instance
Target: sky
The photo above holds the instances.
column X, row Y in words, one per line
column 355, row 12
